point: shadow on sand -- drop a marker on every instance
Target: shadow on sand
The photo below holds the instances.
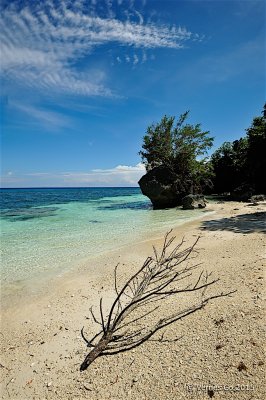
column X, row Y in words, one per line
column 243, row 223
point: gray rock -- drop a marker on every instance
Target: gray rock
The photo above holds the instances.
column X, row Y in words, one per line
column 257, row 197
column 192, row 201
column 163, row 187
column 242, row 193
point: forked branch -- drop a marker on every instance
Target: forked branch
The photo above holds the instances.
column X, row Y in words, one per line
column 127, row 324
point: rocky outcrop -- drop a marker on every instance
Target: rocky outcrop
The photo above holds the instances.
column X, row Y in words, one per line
column 162, row 187
column 257, row 197
column 242, row 192
column 192, row 201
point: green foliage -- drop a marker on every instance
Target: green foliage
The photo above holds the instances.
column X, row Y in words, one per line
column 229, row 165
column 256, row 155
column 158, row 144
column 242, row 161
column 182, row 148
column 177, row 146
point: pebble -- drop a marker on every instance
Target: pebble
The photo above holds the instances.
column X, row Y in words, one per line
column 196, row 376
column 49, row 384
column 87, row 386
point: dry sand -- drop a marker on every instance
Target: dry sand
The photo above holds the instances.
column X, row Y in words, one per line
column 220, row 353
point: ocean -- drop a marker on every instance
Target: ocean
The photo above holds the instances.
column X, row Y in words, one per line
column 50, row 230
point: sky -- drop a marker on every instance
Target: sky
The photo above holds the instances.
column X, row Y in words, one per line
column 81, row 81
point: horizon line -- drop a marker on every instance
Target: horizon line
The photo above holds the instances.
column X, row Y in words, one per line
column 71, row 187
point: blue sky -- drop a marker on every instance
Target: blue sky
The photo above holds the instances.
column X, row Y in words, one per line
column 81, row 81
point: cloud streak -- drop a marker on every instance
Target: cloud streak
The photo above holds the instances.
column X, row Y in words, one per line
column 49, row 119
column 41, row 44
column 121, row 175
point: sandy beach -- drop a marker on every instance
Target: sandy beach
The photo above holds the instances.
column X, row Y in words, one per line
column 220, row 351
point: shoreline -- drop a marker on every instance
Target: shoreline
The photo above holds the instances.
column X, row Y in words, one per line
column 42, row 348
column 13, row 292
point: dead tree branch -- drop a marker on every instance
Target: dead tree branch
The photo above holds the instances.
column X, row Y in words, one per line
column 126, row 327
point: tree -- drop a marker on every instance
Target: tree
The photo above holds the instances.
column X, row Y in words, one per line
column 158, row 144
column 256, row 154
column 229, row 165
column 179, row 146
column 242, row 162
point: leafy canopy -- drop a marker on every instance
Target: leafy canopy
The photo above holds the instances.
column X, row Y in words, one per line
column 256, row 158
column 176, row 145
column 229, row 165
column 242, row 161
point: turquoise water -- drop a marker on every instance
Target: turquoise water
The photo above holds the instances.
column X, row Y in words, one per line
column 52, row 230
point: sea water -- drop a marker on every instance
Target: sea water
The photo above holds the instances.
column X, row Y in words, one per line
column 51, row 230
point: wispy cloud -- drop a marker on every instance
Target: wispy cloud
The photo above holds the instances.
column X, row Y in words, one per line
column 121, row 175
column 41, row 43
column 44, row 117
column 135, row 59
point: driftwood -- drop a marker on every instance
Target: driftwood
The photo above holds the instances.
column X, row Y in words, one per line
column 126, row 326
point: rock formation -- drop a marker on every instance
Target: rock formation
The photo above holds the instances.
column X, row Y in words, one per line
column 242, row 192
column 192, row 201
column 163, row 187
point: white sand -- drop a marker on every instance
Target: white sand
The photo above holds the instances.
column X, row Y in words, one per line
column 40, row 334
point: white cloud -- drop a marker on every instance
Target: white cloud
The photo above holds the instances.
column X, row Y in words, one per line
column 135, row 59
column 41, row 43
column 122, row 168
column 121, row 175
column 141, row 20
column 50, row 119
column 144, row 57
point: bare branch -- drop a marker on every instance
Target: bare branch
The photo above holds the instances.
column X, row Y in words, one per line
column 164, row 275
column 89, row 344
column 94, row 318
column 137, row 319
column 101, row 312
column 148, row 260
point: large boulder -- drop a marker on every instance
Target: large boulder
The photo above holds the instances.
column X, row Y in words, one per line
column 162, row 187
column 192, row 201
